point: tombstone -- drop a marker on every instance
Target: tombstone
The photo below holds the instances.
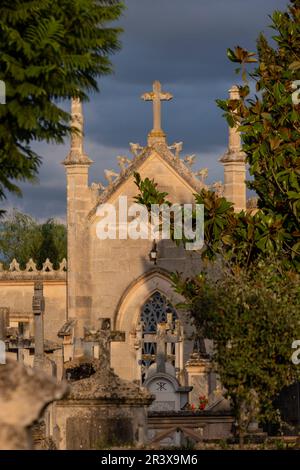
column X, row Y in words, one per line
column 161, row 376
column 38, row 307
column 41, row 361
column 169, row 395
column 102, row 409
column 199, row 371
column 67, row 333
column 97, row 344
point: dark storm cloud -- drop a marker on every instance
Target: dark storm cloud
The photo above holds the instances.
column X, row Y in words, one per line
column 183, row 44
column 187, row 40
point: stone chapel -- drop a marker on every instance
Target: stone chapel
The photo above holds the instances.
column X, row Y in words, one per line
column 116, row 281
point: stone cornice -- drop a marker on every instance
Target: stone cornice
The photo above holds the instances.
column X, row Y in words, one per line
column 31, row 273
column 233, row 157
column 75, row 158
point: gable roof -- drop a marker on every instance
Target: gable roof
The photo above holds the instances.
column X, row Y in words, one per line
column 165, row 153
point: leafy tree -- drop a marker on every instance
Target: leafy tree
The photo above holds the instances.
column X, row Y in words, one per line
column 252, row 316
column 22, row 237
column 251, row 312
column 53, row 243
column 238, row 238
column 270, row 126
column 50, row 50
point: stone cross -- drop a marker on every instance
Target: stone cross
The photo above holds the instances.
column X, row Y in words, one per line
column 20, row 344
column 163, row 338
column 157, row 95
column 38, row 308
column 102, row 339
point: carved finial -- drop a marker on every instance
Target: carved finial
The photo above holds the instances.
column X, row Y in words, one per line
column 156, row 96
column 77, row 122
column 47, row 265
column 76, row 154
column 14, row 265
column 189, row 160
column 99, row 187
column 202, row 174
column 218, row 188
column 123, row 161
column 234, row 135
column 110, row 175
column 63, row 265
column 177, row 146
column 30, row 265
column 234, row 152
column 135, row 149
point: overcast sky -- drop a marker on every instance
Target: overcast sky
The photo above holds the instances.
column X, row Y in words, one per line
column 183, row 44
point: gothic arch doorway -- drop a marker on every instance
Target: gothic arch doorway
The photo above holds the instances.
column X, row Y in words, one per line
column 125, row 358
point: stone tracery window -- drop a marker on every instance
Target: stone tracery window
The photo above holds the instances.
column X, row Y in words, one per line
column 154, row 311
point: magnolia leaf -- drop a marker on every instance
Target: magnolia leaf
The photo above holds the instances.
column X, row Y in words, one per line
column 295, row 65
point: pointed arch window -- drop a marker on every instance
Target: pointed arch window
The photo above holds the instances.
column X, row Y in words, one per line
column 154, row 311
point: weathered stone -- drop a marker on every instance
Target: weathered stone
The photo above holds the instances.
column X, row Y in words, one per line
column 101, row 409
column 24, row 394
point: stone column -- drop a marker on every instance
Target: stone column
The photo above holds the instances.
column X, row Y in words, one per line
column 234, row 165
column 198, row 370
column 38, row 308
column 79, row 197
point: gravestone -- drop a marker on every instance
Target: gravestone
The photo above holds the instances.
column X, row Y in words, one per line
column 161, row 376
column 102, row 410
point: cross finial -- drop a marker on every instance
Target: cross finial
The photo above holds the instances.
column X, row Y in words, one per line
column 156, row 95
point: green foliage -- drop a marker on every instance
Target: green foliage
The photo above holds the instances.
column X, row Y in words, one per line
column 22, row 237
column 252, row 311
column 238, row 238
column 252, row 316
column 50, row 50
column 269, row 123
column 149, row 194
column 53, row 243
